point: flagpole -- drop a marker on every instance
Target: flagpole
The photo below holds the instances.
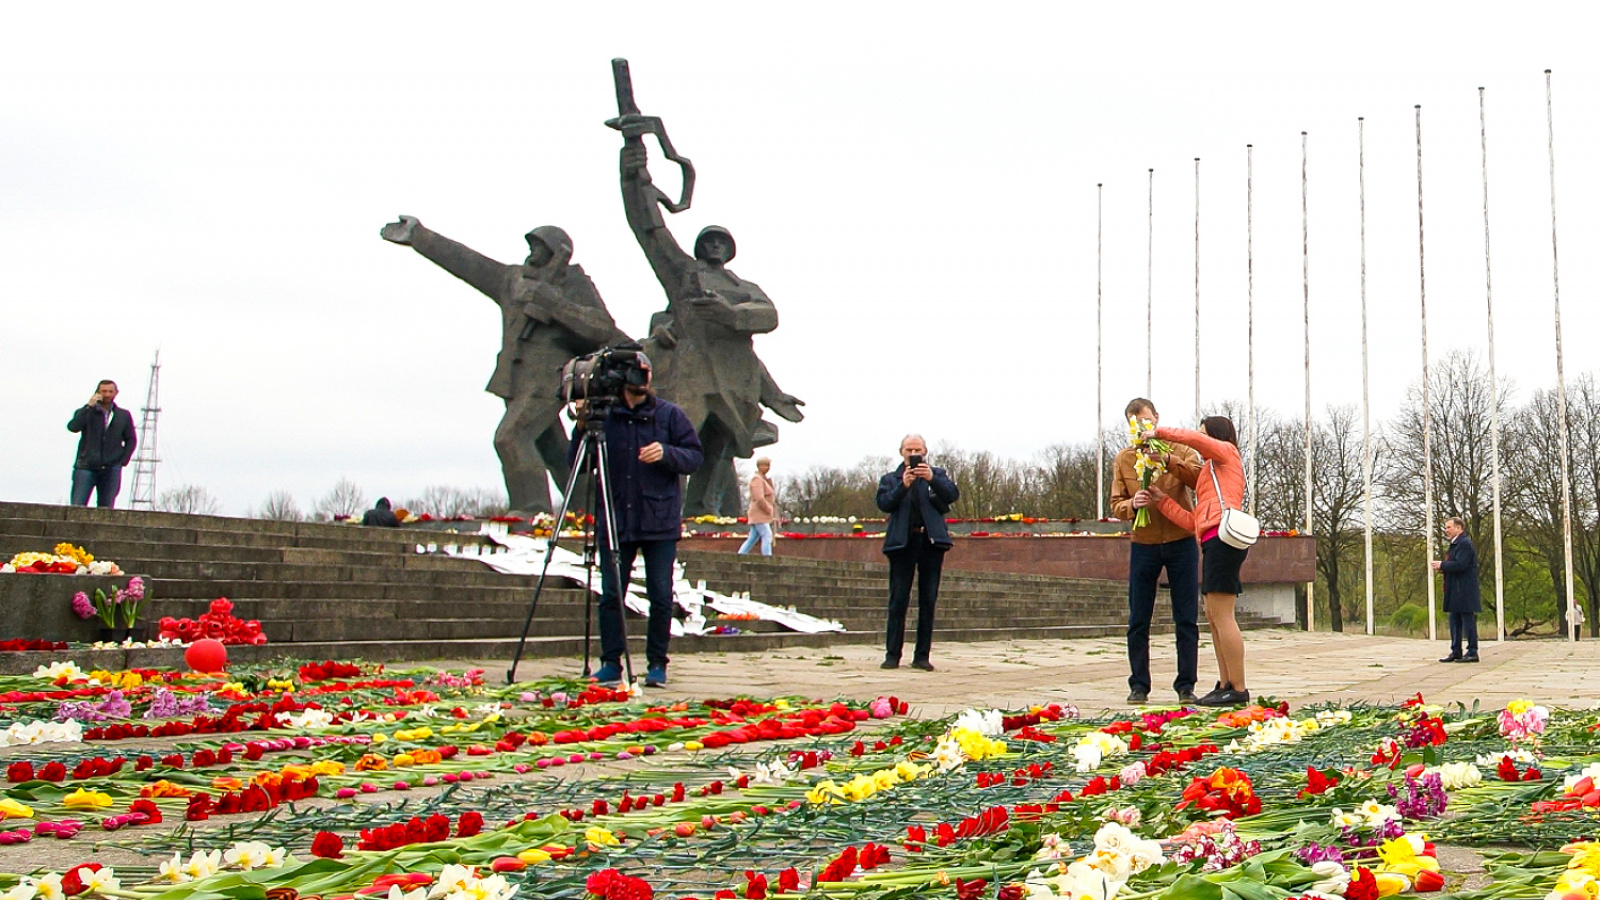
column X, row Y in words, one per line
column 1099, row 359
column 1250, row 303
column 1427, row 434
column 1366, row 400
column 1561, row 377
column 1494, row 391
column 1305, row 282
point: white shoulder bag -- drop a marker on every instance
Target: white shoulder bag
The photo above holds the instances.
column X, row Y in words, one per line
column 1238, row 529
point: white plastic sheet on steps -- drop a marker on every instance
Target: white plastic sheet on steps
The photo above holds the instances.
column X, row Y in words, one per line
column 522, row 555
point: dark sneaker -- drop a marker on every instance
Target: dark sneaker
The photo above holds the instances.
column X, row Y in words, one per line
column 889, row 664
column 1138, row 695
column 922, row 664
column 610, row 674
column 1212, row 695
column 1225, row 696
column 655, row 676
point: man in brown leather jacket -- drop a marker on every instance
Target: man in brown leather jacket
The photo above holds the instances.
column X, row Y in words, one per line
column 1159, row 545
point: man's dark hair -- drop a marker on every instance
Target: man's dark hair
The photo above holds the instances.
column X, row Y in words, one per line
column 1135, row 405
column 1221, row 428
column 104, row 382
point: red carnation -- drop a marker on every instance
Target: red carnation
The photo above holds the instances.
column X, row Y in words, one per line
column 327, row 845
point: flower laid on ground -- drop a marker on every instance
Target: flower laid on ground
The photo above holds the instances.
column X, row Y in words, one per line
column 1226, row 792
column 1457, row 775
column 1369, row 816
column 41, row 732
column 1216, row 842
column 1118, row 854
column 1521, row 722
column 1095, row 747
column 217, row 623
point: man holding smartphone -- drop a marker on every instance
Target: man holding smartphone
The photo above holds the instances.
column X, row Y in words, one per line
column 916, row 496
column 105, row 447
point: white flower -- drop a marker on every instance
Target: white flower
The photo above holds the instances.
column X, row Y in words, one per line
column 1520, row 757
column 247, row 855
column 462, row 883
column 311, row 718
column 172, row 871
column 1096, row 746
column 40, row 731
column 988, row 723
column 101, row 881
column 1455, row 776
column 395, row 893
column 772, row 773
column 1332, row 877
column 57, row 669
column 203, row 864
column 1051, row 846
column 48, row 887
column 1591, row 772
column 1341, row 819
column 1377, row 813
column 22, row 891
column 1331, row 717
column 947, row 754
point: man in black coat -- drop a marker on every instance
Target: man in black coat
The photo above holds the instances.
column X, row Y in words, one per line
column 382, row 515
column 916, row 496
column 1462, row 599
column 649, row 445
column 105, row 448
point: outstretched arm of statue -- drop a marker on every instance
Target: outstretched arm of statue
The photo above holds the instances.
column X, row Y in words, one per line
column 639, row 202
column 774, row 398
column 459, row 260
column 747, row 311
column 593, row 326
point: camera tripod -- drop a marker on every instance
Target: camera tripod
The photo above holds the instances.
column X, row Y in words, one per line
column 593, row 459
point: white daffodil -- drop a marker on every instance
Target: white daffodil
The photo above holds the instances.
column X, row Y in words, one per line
column 1377, row 813
column 1520, row 757
column 55, row 670
column 40, row 731
column 172, row 871
column 395, row 893
column 1331, row 717
column 22, row 891
column 203, row 864
column 101, row 881
column 247, row 855
column 772, row 773
column 311, row 718
column 48, row 887
column 1341, row 819
column 947, row 754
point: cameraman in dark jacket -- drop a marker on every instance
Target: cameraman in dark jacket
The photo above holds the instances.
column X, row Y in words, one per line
column 649, row 444
column 916, row 496
column 105, row 448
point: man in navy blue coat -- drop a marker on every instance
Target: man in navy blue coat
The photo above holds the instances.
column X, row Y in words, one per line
column 104, row 449
column 649, row 444
column 916, row 496
column 1462, row 599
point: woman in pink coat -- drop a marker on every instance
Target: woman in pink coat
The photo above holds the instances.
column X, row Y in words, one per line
column 763, row 509
column 1218, row 443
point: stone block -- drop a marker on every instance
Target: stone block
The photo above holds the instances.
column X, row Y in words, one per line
column 40, row 606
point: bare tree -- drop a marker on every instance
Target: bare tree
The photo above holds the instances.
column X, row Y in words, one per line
column 1060, row 484
column 830, row 491
column 1338, row 486
column 345, row 498
column 445, row 502
column 188, row 498
column 280, row 507
column 1533, row 483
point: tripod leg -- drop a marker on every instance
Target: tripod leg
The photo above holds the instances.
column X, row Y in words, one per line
column 549, row 554
column 590, row 555
column 603, row 480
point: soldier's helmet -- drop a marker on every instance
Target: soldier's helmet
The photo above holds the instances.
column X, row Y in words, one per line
column 709, row 230
column 554, row 238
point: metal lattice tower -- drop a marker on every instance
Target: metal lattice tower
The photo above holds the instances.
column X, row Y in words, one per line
column 144, row 461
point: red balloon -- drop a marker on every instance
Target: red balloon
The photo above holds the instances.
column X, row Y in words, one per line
column 206, row 655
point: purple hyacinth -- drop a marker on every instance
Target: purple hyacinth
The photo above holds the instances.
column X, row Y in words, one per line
column 167, row 705
column 114, row 706
column 1425, row 797
column 82, row 606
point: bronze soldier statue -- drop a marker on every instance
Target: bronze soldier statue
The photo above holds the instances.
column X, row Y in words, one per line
column 549, row 312
column 702, row 344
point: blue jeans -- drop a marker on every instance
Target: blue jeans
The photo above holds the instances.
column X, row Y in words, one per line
column 1181, row 559
column 759, row 532
column 105, row 483
column 658, row 559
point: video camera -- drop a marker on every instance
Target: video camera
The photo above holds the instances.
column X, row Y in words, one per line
column 599, row 377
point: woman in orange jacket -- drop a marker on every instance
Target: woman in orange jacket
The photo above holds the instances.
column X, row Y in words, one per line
column 1218, row 443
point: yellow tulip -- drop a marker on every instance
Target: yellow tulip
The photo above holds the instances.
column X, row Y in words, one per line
column 82, row 799
column 692, row 745
column 533, row 856
column 1390, row 884
column 404, row 759
column 600, row 837
column 11, row 809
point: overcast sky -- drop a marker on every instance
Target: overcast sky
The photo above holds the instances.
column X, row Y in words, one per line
column 914, row 185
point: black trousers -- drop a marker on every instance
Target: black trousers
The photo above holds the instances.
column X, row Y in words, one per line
column 924, row 561
column 1463, row 624
column 658, row 559
column 1181, row 559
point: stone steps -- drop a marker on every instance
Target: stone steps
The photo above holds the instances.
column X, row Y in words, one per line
column 337, row 591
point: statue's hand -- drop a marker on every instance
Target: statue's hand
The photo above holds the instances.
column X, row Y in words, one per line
column 400, row 232
column 634, row 159
column 785, row 405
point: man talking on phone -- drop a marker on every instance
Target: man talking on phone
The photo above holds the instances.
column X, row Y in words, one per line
column 104, row 449
column 916, row 496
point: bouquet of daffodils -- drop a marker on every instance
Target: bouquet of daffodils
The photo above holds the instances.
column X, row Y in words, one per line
column 1147, row 460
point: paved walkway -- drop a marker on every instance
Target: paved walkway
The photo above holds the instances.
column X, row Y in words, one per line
column 1092, row 673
